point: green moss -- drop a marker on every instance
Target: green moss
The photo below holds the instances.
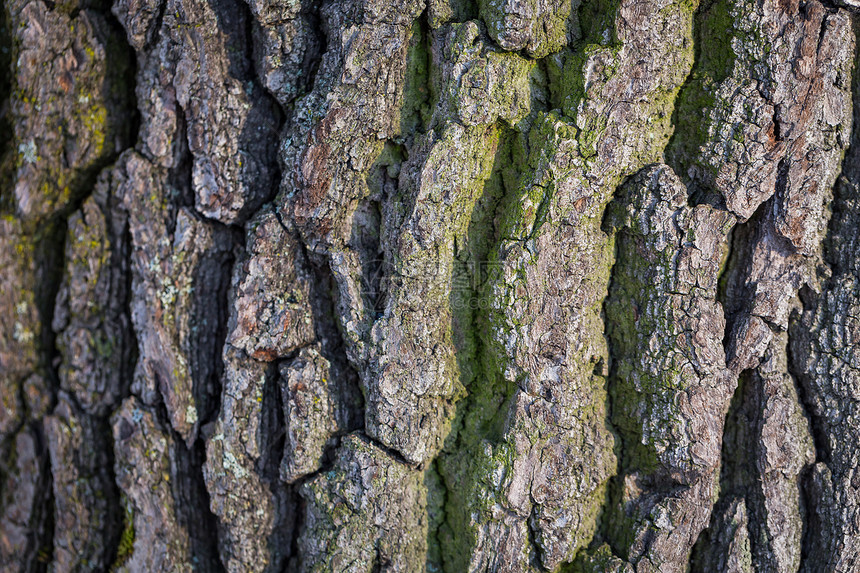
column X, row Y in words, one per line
column 597, row 22
column 528, row 170
column 126, row 540
column 467, row 458
column 567, row 76
column 546, row 33
column 599, row 560
column 714, row 29
column 103, row 344
column 418, row 93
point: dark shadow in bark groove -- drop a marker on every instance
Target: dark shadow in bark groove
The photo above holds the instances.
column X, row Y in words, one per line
column 119, row 503
column 367, row 228
column 40, row 545
column 419, row 94
column 738, row 476
column 713, row 61
column 812, row 527
column 211, row 298
column 7, row 162
column 480, row 416
column 819, row 433
column 332, row 346
column 190, row 497
column 613, row 489
column 733, row 292
column 49, row 239
column 273, row 436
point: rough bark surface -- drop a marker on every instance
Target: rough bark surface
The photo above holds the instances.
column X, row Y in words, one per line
column 429, row 285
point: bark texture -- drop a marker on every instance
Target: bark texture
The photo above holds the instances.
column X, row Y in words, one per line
column 429, row 285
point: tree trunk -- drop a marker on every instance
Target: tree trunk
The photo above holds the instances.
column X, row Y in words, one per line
column 429, row 285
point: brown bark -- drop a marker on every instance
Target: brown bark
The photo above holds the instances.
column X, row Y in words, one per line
column 442, row 285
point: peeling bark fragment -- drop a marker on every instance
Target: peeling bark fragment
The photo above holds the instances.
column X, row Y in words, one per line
column 410, row 385
column 670, row 387
column 196, row 89
column 68, row 106
column 87, row 522
column 539, row 27
column 144, row 465
column 178, row 274
column 270, row 318
column 25, row 396
column 359, row 93
column 777, row 118
column 825, row 345
column 357, row 97
column 232, row 126
column 729, row 542
column 767, row 447
column 252, row 506
column 482, row 84
column 784, row 450
column 287, row 42
column 26, row 487
column 64, row 117
column 91, row 320
column 272, row 309
column 319, row 404
column 140, row 19
column 365, row 514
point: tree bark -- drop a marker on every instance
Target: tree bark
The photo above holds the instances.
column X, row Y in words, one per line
column 429, row 285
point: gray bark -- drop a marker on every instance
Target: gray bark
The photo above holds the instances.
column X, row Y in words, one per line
column 429, row 285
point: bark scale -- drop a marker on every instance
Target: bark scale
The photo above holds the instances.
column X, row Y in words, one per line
column 429, row 285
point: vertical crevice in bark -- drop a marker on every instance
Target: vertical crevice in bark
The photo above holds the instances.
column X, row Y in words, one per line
column 733, row 292
column 190, row 498
column 40, row 548
column 738, row 479
column 437, row 501
column 6, row 78
column 610, row 371
column 179, row 177
column 808, row 303
column 108, row 130
column 272, row 427
column 209, row 298
column 49, row 257
column 480, row 415
column 419, row 95
column 208, row 389
column 121, row 544
column 714, row 58
column 812, row 524
column 367, row 234
column 332, row 345
column 192, row 502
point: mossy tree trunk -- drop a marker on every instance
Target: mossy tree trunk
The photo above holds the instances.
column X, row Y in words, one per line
column 429, row 285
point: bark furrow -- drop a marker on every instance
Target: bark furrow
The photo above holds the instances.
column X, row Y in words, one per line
column 429, row 285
